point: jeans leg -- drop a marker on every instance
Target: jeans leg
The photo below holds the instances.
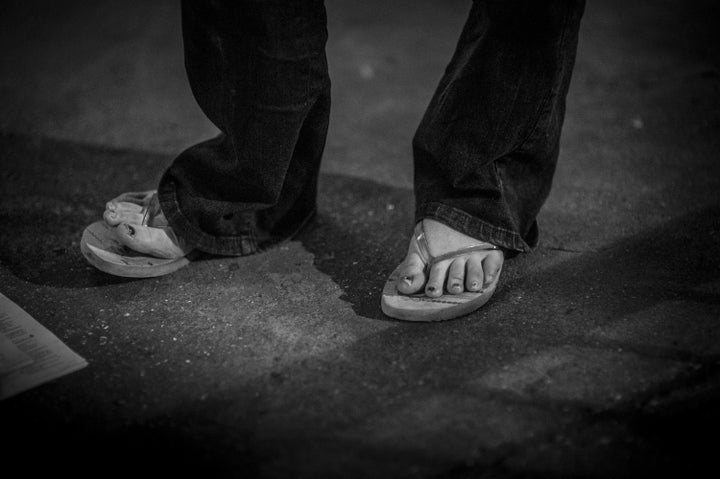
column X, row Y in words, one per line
column 258, row 70
column 486, row 149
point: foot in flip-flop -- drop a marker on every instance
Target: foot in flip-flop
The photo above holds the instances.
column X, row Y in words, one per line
column 139, row 207
column 445, row 274
column 142, row 226
column 134, row 240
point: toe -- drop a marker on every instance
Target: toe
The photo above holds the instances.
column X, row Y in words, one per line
column 436, row 279
column 111, row 217
column 411, row 275
column 131, row 202
column 456, row 276
column 119, row 215
column 492, row 264
column 474, row 276
column 129, row 208
column 121, row 212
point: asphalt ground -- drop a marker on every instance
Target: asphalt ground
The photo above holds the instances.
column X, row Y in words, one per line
column 599, row 355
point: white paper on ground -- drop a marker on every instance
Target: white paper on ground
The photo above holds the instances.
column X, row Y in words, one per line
column 50, row 357
column 11, row 358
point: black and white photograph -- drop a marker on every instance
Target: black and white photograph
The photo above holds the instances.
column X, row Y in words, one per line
column 360, row 239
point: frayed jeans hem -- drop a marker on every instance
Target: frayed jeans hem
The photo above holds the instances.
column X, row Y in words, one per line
column 472, row 226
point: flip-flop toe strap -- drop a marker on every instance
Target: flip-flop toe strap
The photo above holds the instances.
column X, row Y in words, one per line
column 151, row 210
column 422, row 244
column 430, row 260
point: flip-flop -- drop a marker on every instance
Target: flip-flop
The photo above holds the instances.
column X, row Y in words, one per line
column 101, row 248
column 419, row 307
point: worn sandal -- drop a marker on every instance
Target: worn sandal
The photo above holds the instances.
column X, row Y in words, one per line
column 101, row 247
column 419, row 307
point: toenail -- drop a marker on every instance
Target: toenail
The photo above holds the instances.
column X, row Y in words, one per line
column 131, row 230
column 407, row 280
column 474, row 285
column 431, row 289
column 455, row 286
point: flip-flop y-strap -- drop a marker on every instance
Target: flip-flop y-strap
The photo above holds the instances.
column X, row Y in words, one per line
column 424, row 250
column 151, row 209
column 419, row 307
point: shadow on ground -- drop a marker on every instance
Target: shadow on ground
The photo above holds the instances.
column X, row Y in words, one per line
column 535, row 377
column 382, row 404
column 52, row 189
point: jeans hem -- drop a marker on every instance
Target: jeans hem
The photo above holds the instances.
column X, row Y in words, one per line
column 472, row 226
column 225, row 245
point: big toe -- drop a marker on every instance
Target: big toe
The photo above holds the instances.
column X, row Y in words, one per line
column 411, row 275
column 118, row 213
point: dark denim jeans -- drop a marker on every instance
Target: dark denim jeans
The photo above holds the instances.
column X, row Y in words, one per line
column 485, row 151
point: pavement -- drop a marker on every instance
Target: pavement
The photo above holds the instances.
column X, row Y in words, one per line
column 599, row 355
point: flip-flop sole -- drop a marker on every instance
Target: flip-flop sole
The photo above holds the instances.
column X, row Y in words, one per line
column 103, row 250
column 418, row 307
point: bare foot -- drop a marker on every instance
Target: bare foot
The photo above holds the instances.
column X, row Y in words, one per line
column 142, row 226
column 470, row 272
column 139, row 208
